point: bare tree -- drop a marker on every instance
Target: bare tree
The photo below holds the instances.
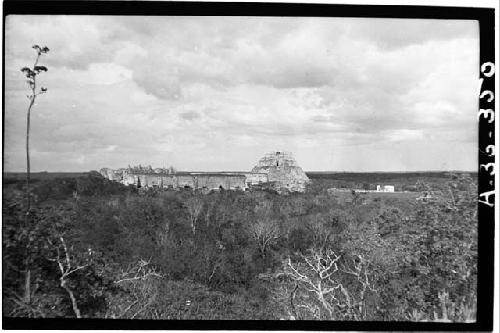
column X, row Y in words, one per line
column 316, row 275
column 194, row 206
column 208, row 213
column 141, row 280
column 265, row 232
column 319, row 230
column 141, row 271
column 66, row 268
column 358, row 267
column 321, row 292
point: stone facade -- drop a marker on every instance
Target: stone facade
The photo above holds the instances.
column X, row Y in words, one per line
column 194, row 180
column 112, row 174
column 255, row 178
column 278, row 169
column 282, row 169
column 220, row 180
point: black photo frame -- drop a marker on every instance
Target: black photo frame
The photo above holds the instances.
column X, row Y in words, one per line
column 486, row 137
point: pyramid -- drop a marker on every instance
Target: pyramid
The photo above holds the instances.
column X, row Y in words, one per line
column 282, row 169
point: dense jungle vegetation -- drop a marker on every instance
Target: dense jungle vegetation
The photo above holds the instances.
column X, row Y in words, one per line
column 93, row 248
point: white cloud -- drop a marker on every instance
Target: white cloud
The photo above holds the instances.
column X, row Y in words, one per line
column 218, row 92
column 102, row 74
column 405, row 134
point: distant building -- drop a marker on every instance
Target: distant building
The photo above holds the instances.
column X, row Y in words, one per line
column 388, row 188
column 278, row 169
column 282, row 169
column 385, row 188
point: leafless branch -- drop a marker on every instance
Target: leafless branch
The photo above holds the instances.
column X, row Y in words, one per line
column 64, row 264
column 318, row 276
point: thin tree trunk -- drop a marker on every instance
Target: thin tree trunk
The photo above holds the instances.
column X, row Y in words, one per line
column 27, row 281
column 72, row 297
column 324, row 302
column 28, row 123
column 27, row 274
column 292, row 297
column 27, row 285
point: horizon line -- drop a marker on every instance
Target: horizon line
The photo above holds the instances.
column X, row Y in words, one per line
column 243, row 171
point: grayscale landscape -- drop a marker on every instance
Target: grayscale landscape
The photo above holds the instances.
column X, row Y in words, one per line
column 243, row 168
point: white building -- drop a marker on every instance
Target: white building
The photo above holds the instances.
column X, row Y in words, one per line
column 385, row 188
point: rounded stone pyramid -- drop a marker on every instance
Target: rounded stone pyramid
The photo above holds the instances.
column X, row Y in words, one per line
column 282, row 169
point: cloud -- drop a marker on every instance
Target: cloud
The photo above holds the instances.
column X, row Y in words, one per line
column 76, row 40
column 190, row 115
column 216, row 93
column 393, row 34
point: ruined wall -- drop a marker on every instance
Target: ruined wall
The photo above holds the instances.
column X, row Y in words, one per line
column 185, row 180
column 215, row 181
column 255, row 178
column 169, row 181
column 106, row 173
column 179, row 180
column 111, row 174
column 129, row 179
column 278, row 167
column 151, row 180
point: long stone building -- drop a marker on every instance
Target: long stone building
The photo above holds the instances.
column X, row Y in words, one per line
column 278, row 169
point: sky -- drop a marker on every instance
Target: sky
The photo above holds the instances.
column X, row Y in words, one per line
column 218, row 93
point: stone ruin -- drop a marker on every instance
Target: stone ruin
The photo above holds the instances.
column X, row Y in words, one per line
column 277, row 170
column 282, row 169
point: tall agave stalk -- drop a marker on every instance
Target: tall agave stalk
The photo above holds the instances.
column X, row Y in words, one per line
column 31, row 74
